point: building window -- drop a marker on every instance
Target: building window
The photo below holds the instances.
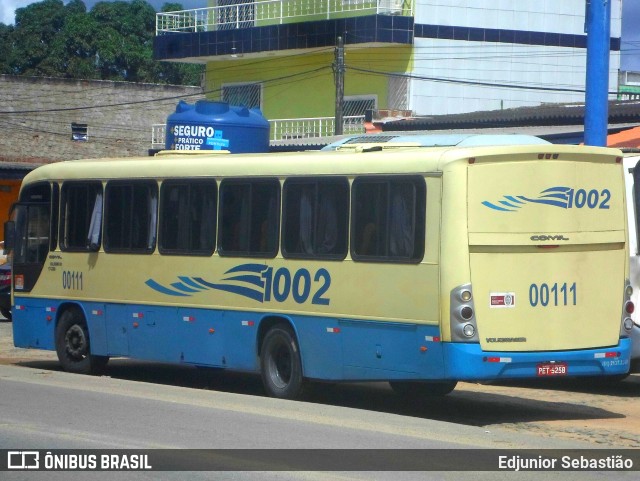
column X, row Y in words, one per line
column 249, row 214
column 79, row 132
column 249, row 95
column 388, row 218
column 315, row 218
column 359, row 104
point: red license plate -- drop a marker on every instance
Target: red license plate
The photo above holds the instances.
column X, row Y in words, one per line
column 552, row 369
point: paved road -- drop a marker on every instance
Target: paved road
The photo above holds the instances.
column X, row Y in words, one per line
column 145, row 405
column 44, row 409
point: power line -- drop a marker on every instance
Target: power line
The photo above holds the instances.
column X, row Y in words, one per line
column 474, row 82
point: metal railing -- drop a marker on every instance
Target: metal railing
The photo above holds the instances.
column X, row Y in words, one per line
column 283, row 130
column 286, row 130
column 270, row 12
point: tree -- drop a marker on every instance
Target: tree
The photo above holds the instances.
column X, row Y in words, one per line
column 114, row 41
column 35, row 29
column 6, row 39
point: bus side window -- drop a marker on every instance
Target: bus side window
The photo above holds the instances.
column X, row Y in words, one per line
column 388, row 219
column 316, row 218
column 131, row 212
column 249, row 212
column 81, row 216
column 188, row 217
column 402, row 221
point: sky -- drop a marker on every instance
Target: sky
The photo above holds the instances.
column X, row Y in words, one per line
column 630, row 21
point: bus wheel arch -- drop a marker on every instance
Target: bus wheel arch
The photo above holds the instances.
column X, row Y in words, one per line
column 73, row 342
column 280, row 358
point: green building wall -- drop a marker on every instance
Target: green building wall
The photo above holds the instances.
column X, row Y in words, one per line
column 302, row 85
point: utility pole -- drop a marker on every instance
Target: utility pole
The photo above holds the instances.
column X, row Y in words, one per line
column 596, row 112
column 338, row 72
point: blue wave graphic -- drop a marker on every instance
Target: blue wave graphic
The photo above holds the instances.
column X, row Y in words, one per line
column 164, row 290
column 554, row 196
column 245, row 281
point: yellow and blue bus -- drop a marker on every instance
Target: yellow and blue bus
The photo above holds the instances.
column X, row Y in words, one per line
column 419, row 266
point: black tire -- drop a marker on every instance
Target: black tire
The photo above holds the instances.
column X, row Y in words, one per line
column 280, row 363
column 74, row 347
column 421, row 389
column 6, row 313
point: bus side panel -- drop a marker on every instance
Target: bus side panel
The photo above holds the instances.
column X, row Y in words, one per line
column 94, row 313
column 240, row 340
column 390, row 351
column 117, row 316
column 33, row 326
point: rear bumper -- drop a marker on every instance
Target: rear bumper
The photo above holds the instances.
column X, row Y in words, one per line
column 468, row 362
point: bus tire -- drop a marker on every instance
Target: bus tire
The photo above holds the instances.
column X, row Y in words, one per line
column 74, row 347
column 419, row 389
column 280, row 364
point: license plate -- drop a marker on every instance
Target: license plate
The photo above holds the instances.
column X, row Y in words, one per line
column 552, row 369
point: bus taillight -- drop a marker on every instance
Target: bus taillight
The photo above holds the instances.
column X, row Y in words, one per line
column 629, row 307
column 463, row 322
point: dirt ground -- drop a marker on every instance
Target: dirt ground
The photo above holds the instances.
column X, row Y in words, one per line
column 604, row 414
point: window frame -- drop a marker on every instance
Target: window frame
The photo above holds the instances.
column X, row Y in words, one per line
column 98, row 190
column 153, row 185
column 189, row 182
column 341, row 182
column 419, row 219
column 222, row 216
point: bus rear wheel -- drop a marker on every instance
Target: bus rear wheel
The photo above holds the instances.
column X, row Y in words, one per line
column 280, row 363
column 419, row 389
column 73, row 345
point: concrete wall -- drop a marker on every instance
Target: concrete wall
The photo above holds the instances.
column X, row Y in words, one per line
column 36, row 116
column 556, row 73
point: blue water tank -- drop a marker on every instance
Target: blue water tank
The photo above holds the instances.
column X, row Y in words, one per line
column 209, row 125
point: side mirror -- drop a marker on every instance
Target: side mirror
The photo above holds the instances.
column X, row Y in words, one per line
column 9, row 235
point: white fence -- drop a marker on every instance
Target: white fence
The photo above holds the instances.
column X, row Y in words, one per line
column 283, row 131
column 269, row 12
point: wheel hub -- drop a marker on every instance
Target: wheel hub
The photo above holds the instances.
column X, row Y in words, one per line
column 76, row 342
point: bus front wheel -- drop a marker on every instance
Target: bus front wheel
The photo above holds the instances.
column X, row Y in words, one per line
column 73, row 346
column 418, row 389
column 280, row 363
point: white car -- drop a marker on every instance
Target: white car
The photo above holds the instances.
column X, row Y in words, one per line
column 633, row 211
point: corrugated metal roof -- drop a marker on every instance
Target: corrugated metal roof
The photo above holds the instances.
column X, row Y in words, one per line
column 627, row 111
